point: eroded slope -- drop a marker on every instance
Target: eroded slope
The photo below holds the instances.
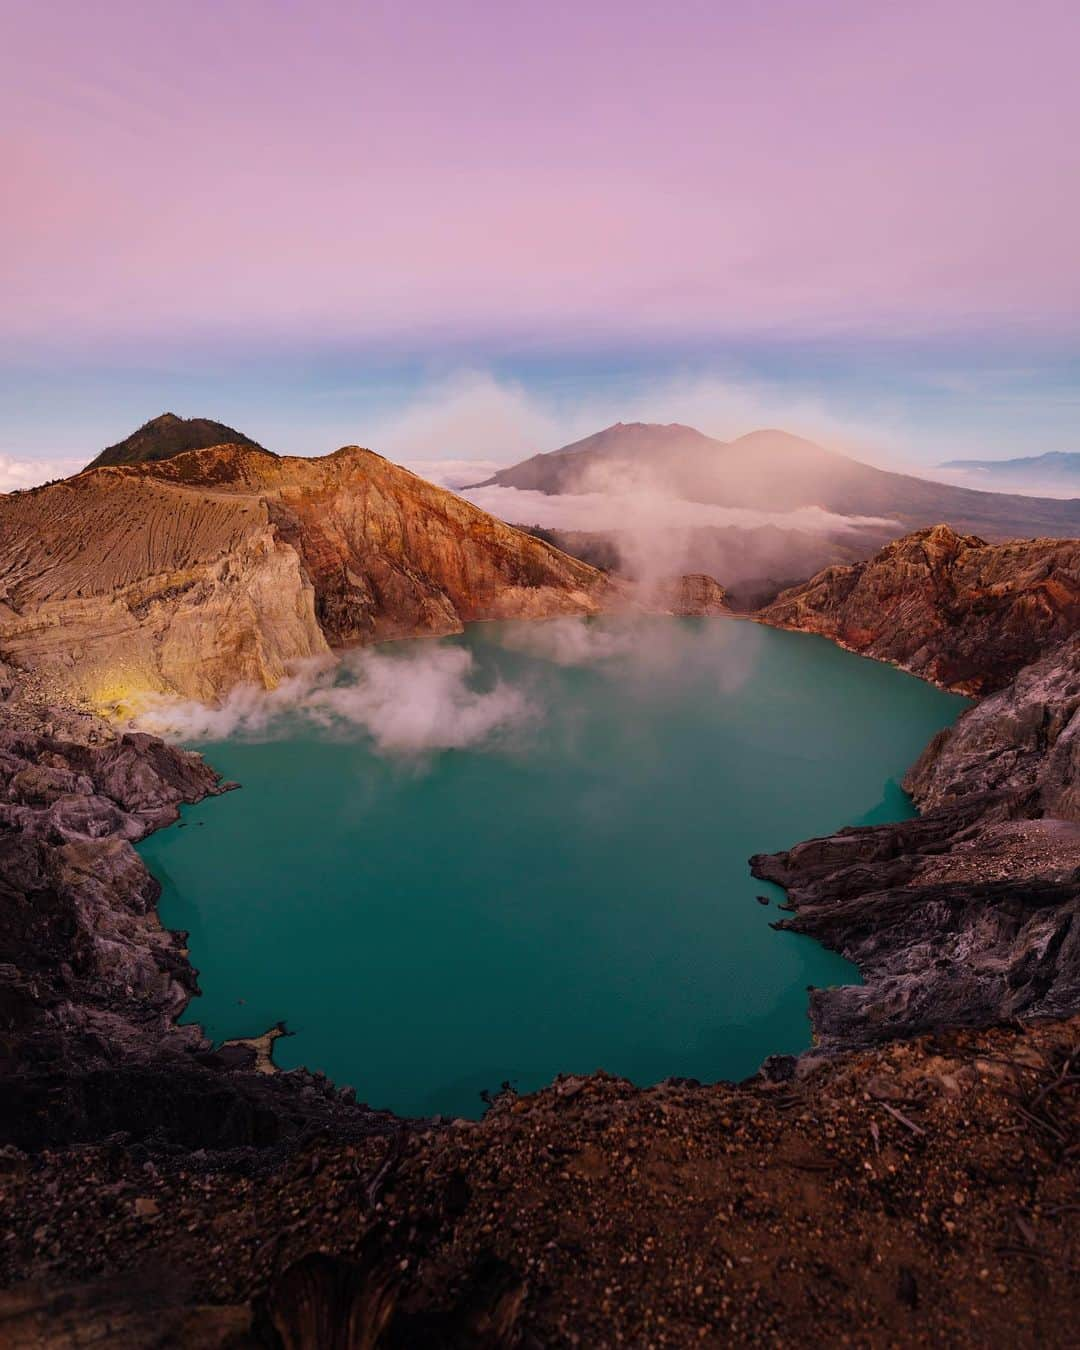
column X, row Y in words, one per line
column 223, row 566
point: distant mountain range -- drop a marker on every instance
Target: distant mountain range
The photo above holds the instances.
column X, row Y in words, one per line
column 1057, row 471
column 169, row 435
column 775, row 471
column 767, row 474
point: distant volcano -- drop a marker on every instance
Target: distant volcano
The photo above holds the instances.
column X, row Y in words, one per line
column 775, row 471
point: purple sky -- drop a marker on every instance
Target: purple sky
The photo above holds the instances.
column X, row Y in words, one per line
column 461, row 167
column 200, row 183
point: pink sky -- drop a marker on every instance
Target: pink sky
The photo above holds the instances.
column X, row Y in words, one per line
column 595, row 168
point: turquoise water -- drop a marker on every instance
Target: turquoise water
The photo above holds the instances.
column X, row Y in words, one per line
column 570, row 893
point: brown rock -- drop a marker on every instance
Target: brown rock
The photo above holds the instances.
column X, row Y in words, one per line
column 693, row 595
column 949, row 607
column 223, row 566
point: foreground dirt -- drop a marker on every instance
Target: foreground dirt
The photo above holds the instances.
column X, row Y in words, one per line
column 921, row 1194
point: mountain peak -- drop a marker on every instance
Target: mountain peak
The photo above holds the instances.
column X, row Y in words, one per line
column 167, row 435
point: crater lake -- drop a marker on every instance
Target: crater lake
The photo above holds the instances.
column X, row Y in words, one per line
column 523, row 851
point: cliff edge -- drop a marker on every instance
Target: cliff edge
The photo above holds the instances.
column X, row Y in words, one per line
column 948, row 607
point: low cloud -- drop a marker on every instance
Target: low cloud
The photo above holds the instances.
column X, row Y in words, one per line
column 25, row 473
column 1024, row 482
column 649, row 510
column 454, row 473
column 408, row 702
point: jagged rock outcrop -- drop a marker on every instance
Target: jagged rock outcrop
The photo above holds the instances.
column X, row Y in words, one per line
column 971, row 913
column 948, row 607
column 90, row 983
column 224, row 566
column 168, row 435
column 964, row 917
column 1024, row 740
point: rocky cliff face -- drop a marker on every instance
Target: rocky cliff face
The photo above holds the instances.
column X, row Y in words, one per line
column 114, row 583
column 970, row 914
column 1023, row 740
column 90, row 983
column 967, row 916
column 694, row 595
column 223, row 566
column 948, row 607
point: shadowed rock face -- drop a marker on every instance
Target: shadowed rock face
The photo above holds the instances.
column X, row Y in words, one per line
column 169, row 435
column 948, row 607
column 694, row 595
column 90, row 983
column 223, row 566
column 1024, row 740
column 961, row 918
column 970, row 914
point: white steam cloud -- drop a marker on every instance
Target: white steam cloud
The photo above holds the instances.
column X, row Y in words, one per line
column 409, row 703
column 577, row 641
column 642, row 651
column 418, row 699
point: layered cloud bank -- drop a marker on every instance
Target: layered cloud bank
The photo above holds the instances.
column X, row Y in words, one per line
column 635, row 510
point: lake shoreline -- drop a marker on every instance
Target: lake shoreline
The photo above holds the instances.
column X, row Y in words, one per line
column 789, row 870
column 637, row 762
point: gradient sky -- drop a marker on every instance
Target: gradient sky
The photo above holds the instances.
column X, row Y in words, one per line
column 317, row 221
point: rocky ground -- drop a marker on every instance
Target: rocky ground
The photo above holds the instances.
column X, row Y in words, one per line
column 925, row 1193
